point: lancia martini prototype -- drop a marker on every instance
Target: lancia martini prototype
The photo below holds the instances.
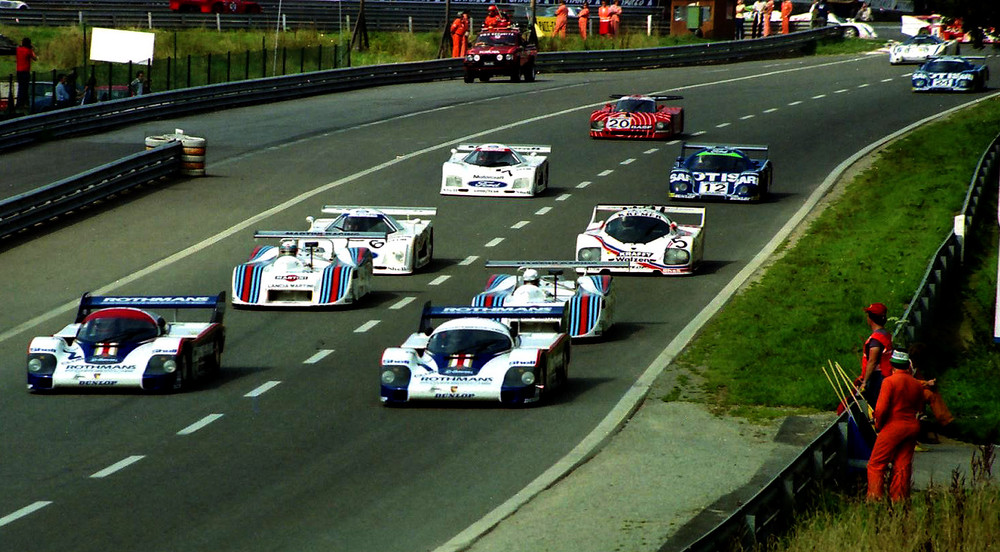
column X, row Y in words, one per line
column 409, row 235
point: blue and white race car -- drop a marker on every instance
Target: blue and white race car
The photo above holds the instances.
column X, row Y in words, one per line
column 951, row 73
column 717, row 171
column 472, row 356
column 589, row 300
column 115, row 343
column 308, row 269
column 496, row 170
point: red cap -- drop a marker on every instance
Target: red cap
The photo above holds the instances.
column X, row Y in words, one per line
column 878, row 309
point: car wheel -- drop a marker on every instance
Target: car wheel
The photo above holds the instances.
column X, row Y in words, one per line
column 215, row 363
column 484, row 78
column 850, row 32
column 529, row 72
column 430, row 248
column 469, row 77
column 516, row 75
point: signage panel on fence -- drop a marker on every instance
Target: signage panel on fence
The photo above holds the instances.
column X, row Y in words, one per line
column 121, row 46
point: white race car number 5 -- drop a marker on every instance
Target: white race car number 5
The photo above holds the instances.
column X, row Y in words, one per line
column 619, row 124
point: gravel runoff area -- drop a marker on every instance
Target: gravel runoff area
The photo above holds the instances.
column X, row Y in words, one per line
column 674, row 470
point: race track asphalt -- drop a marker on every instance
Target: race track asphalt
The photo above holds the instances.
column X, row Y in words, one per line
column 315, row 463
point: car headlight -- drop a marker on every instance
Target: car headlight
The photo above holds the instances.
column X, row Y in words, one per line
column 396, row 376
column 510, row 57
column 674, row 256
column 528, row 378
column 919, row 82
column 597, row 125
column 519, row 376
column 521, row 183
column 453, row 181
column 742, row 189
column 161, row 364
column 589, row 254
column 41, row 363
column 661, row 125
column 400, row 256
column 475, row 57
column 499, row 57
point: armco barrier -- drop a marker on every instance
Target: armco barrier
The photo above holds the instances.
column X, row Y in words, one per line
column 26, row 210
column 771, row 509
column 107, row 115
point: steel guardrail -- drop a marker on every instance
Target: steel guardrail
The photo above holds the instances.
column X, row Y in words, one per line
column 111, row 114
column 771, row 509
column 26, row 210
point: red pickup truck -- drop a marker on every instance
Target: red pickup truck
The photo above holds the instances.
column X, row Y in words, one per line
column 214, row 6
column 501, row 52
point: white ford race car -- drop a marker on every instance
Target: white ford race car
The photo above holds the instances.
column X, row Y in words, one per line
column 408, row 243
column 113, row 343
column 645, row 236
column 589, row 300
column 474, row 357
column 308, row 269
column 495, row 170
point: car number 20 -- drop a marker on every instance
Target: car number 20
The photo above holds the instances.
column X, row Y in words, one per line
column 619, row 124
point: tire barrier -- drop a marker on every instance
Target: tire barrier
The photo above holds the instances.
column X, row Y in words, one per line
column 193, row 150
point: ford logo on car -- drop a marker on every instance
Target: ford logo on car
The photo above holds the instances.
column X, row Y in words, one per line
column 487, row 184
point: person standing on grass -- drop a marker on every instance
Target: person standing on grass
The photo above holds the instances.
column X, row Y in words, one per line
column 614, row 16
column 604, row 19
column 582, row 17
column 899, row 402
column 875, row 353
column 562, row 12
column 25, row 55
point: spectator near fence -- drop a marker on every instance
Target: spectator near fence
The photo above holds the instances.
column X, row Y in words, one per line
column 875, row 353
column 583, row 15
column 741, row 9
column 25, row 55
column 139, row 85
column 614, row 16
column 899, row 401
column 62, row 98
column 562, row 12
column 459, row 30
column 786, row 14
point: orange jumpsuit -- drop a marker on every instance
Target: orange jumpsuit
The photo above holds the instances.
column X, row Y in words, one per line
column 766, row 19
column 899, row 402
column 786, row 12
column 560, row 29
column 583, row 14
column 604, row 19
column 614, row 13
column 459, row 28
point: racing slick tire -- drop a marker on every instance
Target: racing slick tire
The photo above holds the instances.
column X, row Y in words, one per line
column 469, row 77
column 529, row 72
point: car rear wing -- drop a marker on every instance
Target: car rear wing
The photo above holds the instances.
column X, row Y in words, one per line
column 966, row 58
column 507, row 313
column 519, row 148
column 556, row 264
column 749, row 149
column 665, row 209
column 90, row 303
column 654, row 98
column 394, row 211
column 306, row 234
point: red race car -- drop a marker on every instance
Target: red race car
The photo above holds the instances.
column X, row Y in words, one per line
column 638, row 116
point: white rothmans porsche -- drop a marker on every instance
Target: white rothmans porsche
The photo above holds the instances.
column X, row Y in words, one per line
column 496, row 170
column 408, row 243
column 920, row 48
column 646, row 236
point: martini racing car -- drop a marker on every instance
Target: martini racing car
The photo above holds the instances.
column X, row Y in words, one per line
column 115, row 343
column 474, row 357
column 496, row 170
column 589, row 300
column 920, row 48
column 408, row 243
column 308, row 269
column 716, row 171
column 644, row 236
column 637, row 116
column 952, row 73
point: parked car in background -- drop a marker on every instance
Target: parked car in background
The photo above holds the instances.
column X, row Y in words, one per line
column 215, row 6
column 12, row 5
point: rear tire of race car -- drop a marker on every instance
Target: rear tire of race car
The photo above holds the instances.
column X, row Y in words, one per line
column 469, row 77
column 429, row 246
column 529, row 72
column 215, row 363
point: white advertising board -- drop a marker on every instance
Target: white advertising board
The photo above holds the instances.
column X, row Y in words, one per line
column 121, row 46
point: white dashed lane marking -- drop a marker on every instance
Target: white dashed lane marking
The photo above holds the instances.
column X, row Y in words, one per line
column 745, row 117
column 796, row 102
column 605, row 172
column 494, row 242
column 771, row 110
column 699, row 133
column 33, row 507
column 583, row 184
column 819, row 97
column 651, row 150
column 722, row 125
column 402, row 303
column 863, row 85
column 628, row 161
column 841, row 91
column 520, row 224
column 262, row 389
column 199, row 424
column 120, row 465
column 564, row 197
column 320, row 355
column 672, row 142
column 469, row 260
column 544, row 210
column 439, row 280
column 366, row 326
column 886, row 80
column 904, row 75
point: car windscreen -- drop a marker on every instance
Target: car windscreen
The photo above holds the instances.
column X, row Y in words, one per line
column 625, row 105
column 117, row 330
column 491, row 39
column 637, row 229
column 946, row 66
column 717, row 162
column 349, row 223
column 923, row 39
column 468, row 342
column 493, row 158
